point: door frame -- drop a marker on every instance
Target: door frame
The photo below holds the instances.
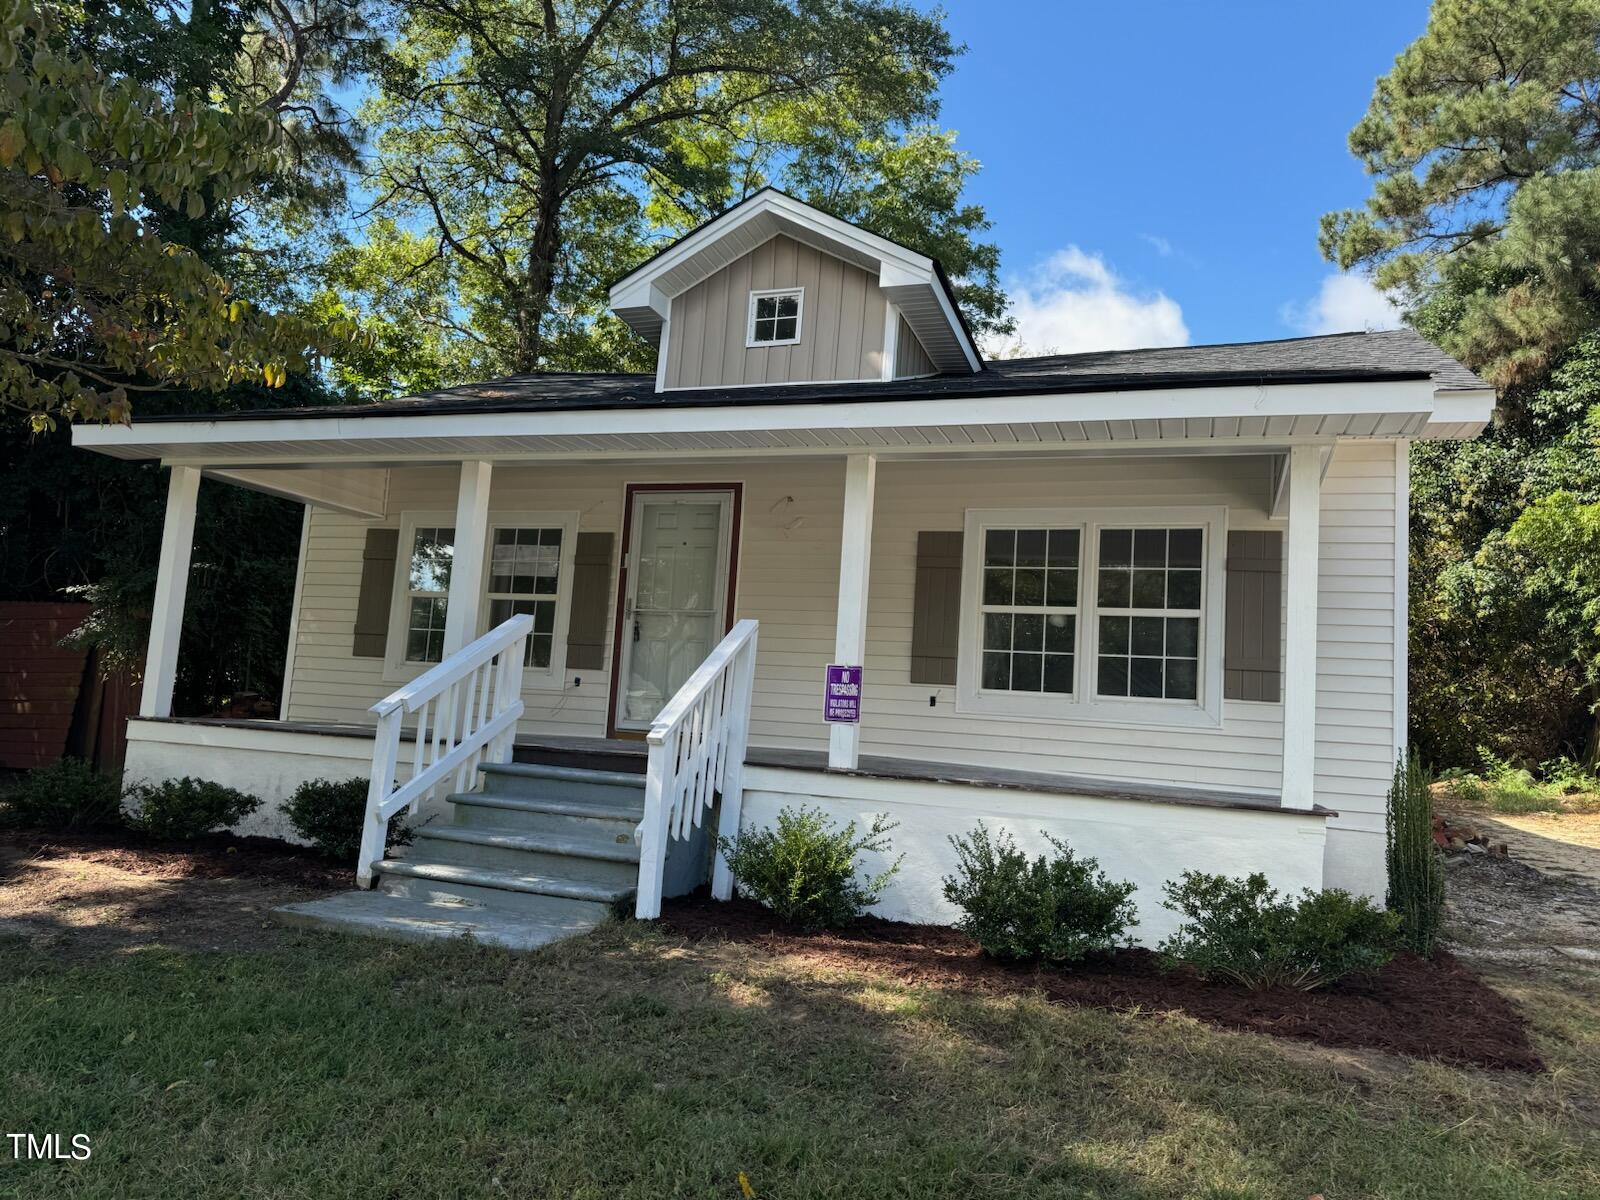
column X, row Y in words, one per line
column 630, row 492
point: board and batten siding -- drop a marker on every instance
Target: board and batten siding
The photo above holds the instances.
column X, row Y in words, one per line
column 841, row 324
column 788, row 579
column 910, row 359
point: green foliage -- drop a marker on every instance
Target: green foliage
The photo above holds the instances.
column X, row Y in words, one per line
column 329, row 815
column 1416, row 874
column 1243, row 931
column 94, row 302
column 529, row 155
column 1505, row 787
column 1056, row 910
column 1483, row 141
column 68, row 795
column 806, row 870
column 187, row 807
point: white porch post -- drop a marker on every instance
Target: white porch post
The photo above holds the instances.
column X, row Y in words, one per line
column 466, row 567
column 172, row 586
column 850, row 640
column 1300, row 632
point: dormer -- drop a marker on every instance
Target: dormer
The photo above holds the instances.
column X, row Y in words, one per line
column 776, row 292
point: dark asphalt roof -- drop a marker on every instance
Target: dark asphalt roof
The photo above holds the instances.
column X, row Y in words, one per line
column 1335, row 358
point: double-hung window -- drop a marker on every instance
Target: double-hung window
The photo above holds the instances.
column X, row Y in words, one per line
column 525, row 576
column 432, row 551
column 1093, row 615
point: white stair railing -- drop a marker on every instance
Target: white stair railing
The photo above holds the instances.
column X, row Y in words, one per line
column 467, row 709
column 697, row 748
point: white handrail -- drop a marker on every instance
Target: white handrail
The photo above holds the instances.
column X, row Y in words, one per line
column 697, row 747
column 475, row 699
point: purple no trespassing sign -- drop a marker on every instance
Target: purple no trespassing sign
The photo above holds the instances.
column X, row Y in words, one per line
column 841, row 700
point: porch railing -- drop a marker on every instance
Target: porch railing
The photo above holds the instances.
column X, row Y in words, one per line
column 697, row 748
column 466, row 709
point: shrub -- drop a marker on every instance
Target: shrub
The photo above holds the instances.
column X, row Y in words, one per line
column 1055, row 910
column 69, row 794
column 187, row 807
column 1416, row 874
column 1242, row 930
column 805, row 869
column 329, row 816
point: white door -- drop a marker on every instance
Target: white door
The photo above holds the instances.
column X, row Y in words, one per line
column 675, row 607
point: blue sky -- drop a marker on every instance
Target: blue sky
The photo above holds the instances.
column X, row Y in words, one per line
column 1155, row 169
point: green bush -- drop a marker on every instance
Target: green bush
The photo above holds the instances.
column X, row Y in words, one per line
column 805, row 869
column 187, row 807
column 1055, row 910
column 1242, row 930
column 68, row 795
column 1416, row 873
column 329, row 816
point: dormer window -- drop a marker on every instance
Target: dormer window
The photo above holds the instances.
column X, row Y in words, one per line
column 775, row 317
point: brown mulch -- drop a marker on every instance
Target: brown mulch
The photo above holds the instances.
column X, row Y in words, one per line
column 212, row 856
column 1423, row 1009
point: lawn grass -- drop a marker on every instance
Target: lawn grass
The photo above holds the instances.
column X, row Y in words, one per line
column 625, row 1064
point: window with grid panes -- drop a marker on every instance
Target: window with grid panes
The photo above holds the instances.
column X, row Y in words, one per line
column 433, row 549
column 1148, row 607
column 525, row 577
column 1029, row 610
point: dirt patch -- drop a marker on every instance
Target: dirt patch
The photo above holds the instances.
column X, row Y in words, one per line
column 1508, row 914
column 1422, row 1009
column 90, row 895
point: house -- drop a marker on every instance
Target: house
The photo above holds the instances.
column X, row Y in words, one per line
column 1152, row 602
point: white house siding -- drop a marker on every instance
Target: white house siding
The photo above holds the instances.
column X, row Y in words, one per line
column 788, row 573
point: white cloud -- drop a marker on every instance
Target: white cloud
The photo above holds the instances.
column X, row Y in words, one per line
column 1343, row 304
column 1159, row 244
column 1073, row 302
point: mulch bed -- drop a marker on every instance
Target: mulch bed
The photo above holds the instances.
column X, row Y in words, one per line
column 1414, row 1007
column 212, row 856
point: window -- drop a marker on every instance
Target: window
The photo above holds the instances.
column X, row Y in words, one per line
column 775, row 317
column 1030, row 610
column 1148, row 600
column 525, row 577
column 427, row 588
column 1093, row 615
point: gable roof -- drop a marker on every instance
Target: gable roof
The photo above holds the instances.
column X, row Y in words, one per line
column 913, row 281
column 1400, row 354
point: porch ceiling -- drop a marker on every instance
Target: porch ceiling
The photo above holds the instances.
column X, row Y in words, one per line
column 1229, row 418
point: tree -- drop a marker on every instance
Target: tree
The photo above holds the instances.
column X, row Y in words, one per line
column 528, row 154
column 1483, row 140
column 94, row 303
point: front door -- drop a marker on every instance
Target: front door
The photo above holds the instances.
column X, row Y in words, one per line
column 675, row 590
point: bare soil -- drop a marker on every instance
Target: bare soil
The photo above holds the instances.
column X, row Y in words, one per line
column 85, row 895
column 1414, row 1007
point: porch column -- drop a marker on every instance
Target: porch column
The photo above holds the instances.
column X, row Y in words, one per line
column 466, row 566
column 172, row 586
column 1300, row 632
column 850, row 640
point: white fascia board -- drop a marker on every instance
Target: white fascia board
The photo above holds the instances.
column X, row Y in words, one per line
column 1454, row 410
column 1288, row 400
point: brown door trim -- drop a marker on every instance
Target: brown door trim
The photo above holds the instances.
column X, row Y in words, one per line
column 735, row 520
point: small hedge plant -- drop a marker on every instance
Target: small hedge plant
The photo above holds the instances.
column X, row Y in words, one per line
column 187, row 807
column 806, row 870
column 1056, row 910
column 68, row 795
column 1416, row 872
column 1242, row 930
column 329, row 814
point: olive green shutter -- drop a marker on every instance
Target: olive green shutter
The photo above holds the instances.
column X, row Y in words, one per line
column 591, row 602
column 1252, row 665
column 377, row 590
column 936, row 607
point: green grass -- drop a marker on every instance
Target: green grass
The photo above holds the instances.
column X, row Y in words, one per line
column 627, row 1065
column 1559, row 786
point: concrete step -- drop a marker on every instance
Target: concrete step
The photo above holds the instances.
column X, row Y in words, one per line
column 477, row 885
column 612, row 860
column 564, row 818
column 536, row 781
column 403, row 918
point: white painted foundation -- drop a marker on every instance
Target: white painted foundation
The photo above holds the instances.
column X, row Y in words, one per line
column 269, row 763
column 1139, row 841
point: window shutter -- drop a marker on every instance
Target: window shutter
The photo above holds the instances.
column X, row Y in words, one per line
column 936, row 608
column 377, row 590
column 591, row 602
column 1252, row 666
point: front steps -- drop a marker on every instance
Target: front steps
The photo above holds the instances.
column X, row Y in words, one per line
column 539, row 853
